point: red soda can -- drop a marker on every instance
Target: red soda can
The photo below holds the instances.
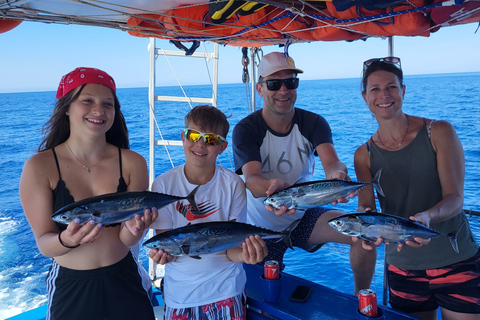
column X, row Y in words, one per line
column 271, row 270
column 367, row 303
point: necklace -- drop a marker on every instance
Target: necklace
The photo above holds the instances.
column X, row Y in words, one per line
column 404, row 136
column 84, row 166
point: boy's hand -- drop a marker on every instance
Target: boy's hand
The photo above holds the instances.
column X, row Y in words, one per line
column 159, row 256
column 254, row 250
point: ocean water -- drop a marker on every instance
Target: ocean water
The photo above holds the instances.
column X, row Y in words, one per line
column 453, row 97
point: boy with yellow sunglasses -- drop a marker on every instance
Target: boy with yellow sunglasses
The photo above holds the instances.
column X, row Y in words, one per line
column 214, row 284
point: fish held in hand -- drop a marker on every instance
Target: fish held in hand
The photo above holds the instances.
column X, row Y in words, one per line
column 318, row 193
column 209, row 237
column 370, row 226
column 117, row 207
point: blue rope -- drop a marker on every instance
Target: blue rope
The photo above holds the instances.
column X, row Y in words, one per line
column 375, row 17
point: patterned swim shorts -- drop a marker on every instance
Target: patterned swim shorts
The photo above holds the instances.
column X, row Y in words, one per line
column 455, row 287
column 229, row 309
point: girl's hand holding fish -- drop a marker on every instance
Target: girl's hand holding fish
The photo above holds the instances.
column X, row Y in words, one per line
column 77, row 234
column 139, row 223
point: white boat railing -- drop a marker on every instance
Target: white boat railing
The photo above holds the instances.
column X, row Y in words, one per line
column 155, row 271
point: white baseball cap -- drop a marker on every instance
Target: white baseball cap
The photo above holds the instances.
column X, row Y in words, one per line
column 274, row 62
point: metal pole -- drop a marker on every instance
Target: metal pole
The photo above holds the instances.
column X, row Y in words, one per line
column 385, row 279
column 215, row 75
column 253, row 78
column 151, row 103
column 390, row 46
column 152, row 270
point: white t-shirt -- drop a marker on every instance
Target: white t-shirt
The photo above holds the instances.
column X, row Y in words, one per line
column 288, row 156
column 190, row 282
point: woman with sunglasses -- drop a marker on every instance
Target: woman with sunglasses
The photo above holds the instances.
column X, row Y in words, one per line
column 274, row 148
column 212, row 287
column 86, row 153
column 422, row 178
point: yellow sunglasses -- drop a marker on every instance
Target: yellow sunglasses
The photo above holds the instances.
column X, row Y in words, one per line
column 210, row 139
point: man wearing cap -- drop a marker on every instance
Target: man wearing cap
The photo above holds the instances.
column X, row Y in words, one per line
column 274, row 148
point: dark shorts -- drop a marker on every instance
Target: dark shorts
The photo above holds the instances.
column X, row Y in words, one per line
column 113, row 292
column 299, row 237
column 455, row 287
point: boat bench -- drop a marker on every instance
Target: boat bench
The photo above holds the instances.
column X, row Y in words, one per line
column 323, row 302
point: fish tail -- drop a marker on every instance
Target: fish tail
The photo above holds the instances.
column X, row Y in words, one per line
column 376, row 182
column 453, row 238
column 287, row 232
column 191, row 198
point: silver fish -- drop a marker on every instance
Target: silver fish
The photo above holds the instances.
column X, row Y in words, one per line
column 210, row 237
column 370, row 226
column 117, row 207
column 318, row 193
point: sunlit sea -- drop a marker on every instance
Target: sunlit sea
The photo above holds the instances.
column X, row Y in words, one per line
column 452, row 97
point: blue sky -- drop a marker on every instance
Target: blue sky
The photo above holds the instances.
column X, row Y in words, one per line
column 34, row 56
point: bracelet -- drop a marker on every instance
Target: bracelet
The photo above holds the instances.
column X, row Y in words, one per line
column 63, row 244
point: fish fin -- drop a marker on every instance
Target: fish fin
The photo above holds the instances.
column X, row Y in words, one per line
column 191, row 198
column 195, row 257
column 287, row 232
column 453, row 238
column 376, row 182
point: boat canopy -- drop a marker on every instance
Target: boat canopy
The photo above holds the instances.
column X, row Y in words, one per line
column 247, row 23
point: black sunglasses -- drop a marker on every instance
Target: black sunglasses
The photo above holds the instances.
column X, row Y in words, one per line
column 392, row 60
column 276, row 84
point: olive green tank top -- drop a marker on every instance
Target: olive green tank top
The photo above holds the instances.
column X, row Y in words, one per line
column 411, row 185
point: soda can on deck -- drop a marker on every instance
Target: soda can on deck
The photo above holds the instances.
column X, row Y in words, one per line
column 367, row 303
column 271, row 270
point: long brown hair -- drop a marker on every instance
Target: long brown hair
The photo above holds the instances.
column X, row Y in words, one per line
column 57, row 129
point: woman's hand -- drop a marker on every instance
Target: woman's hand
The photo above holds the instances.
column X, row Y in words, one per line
column 76, row 233
column 417, row 242
column 139, row 223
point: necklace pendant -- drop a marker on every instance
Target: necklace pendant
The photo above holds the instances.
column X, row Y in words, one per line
column 87, row 168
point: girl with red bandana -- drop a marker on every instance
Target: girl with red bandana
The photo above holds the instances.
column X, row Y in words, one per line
column 85, row 153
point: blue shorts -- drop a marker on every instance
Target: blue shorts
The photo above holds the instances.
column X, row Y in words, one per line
column 231, row 308
column 299, row 237
column 455, row 287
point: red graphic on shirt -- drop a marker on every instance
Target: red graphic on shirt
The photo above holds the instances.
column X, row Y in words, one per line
column 191, row 214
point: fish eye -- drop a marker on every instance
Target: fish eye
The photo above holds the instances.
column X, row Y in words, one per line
column 63, row 217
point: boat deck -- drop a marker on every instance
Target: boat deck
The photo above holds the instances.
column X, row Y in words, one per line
column 323, row 303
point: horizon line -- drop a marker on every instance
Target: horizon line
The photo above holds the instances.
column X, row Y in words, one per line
column 230, row 83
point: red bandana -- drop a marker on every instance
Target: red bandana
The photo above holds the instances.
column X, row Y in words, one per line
column 81, row 76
